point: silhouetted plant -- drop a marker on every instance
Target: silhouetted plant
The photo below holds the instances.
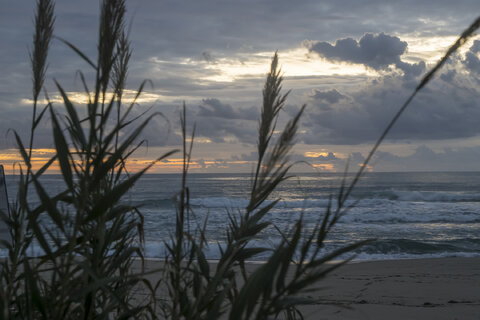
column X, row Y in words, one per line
column 85, row 270
column 195, row 291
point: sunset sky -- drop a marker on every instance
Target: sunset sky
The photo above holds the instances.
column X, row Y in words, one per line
column 352, row 62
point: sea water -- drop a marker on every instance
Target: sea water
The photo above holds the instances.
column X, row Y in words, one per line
column 409, row 215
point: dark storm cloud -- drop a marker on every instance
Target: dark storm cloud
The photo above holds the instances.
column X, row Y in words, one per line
column 376, row 51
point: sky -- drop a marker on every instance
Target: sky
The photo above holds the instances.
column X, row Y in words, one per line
column 352, row 62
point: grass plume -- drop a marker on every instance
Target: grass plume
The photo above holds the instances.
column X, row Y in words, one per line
column 85, row 270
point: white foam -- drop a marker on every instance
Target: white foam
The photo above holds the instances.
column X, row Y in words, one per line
column 429, row 196
column 226, row 202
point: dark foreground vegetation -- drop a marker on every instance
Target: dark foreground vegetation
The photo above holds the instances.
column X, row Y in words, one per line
column 85, row 271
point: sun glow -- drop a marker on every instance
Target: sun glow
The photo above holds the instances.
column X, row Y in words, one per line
column 299, row 62
column 294, row 63
column 430, row 49
column 83, row 98
column 324, row 167
column 11, row 159
column 314, row 154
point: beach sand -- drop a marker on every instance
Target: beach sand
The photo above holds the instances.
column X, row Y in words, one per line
column 445, row 288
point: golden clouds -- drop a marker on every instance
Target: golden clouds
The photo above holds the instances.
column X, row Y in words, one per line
column 83, row 98
column 313, row 154
column 295, row 63
column 324, row 167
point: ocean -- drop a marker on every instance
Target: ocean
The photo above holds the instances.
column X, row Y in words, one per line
column 410, row 215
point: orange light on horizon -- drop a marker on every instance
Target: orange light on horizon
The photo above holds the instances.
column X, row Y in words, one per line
column 324, row 166
column 315, row 154
column 129, row 96
column 11, row 159
column 369, row 168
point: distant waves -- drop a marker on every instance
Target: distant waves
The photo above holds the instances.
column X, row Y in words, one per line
column 412, row 215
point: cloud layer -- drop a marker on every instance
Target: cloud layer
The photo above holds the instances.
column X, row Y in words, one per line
column 376, row 51
column 180, row 46
column 447, row 109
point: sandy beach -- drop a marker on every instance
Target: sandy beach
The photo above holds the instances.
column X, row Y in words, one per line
column 445, row 288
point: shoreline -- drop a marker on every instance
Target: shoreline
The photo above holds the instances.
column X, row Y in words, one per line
column 354, row 261
column 431, row 288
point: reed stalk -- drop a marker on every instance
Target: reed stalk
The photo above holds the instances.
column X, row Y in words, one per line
column 85, row 270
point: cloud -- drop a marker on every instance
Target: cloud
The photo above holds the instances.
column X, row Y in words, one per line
column 446, row 109
column 329, row 157
column 330, row 161
column 376, row 51
column 177, row 44
column 329, row 96
column 472, row 62
column 221, row 122
column 425, row 159
column 208, row 57
column 434, row 115
column 215, row 108
column 422, row 158
column 475, row 48
column 17, row 116
column 252, row 156
column 174, row 30
column 215, row 121
column 411, row 69
column 448, row 76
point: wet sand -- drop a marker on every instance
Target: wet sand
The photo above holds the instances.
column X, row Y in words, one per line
column 445, row 288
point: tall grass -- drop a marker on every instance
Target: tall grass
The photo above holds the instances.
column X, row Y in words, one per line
column 85, row 270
